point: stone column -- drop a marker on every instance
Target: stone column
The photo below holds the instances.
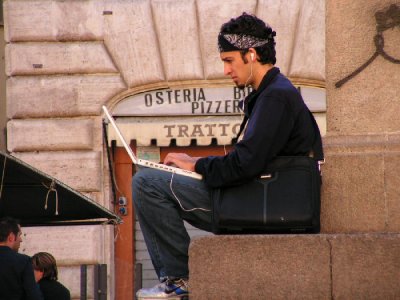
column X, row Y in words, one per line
column 361, row 190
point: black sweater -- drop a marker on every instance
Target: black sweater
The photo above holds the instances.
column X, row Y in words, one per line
column 53, row 290
column 17, row 281
column 279, row 124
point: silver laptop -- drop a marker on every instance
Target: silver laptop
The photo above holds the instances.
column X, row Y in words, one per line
column 148, row 163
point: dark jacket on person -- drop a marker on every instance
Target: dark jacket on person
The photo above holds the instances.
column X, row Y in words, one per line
column 279, row 124
column 53, row 290
column 17, row 281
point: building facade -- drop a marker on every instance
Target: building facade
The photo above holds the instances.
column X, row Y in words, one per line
column 155, row 65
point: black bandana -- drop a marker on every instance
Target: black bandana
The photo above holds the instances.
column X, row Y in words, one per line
column 234, row 42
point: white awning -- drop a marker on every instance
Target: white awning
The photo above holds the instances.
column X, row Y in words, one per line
column 182, row 129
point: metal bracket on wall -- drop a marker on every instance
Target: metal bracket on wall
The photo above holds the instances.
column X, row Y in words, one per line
column 388, row 19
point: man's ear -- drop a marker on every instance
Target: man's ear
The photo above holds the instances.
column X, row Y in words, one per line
column 11, row 237
column 253, row 54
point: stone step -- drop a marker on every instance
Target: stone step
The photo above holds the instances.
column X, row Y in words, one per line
column 322, row 266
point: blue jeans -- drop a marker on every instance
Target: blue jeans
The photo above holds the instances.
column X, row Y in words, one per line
column 161, row 217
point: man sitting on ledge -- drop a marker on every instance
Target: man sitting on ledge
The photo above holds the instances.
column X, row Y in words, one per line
column 279, row 124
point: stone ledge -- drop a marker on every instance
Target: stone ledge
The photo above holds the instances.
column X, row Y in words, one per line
column 53, row 21
column 80, row 170
column 60, row 96
column 50, row 134
column 76, row 245
column 342, row 266
column 58, row 58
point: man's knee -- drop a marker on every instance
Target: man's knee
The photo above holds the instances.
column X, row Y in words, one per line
column 145, row 179
column 139, row 181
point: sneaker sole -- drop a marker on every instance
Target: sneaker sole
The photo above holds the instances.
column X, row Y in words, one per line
column 169, row 298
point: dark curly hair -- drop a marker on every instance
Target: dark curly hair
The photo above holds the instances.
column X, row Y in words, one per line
column 8, row 225
column 251, row 25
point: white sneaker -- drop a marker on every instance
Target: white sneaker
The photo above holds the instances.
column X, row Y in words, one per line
column 176, row 289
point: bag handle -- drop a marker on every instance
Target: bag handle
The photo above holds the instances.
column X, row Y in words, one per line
column 317, row 147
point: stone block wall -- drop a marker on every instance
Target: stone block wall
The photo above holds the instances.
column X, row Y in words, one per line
column 65, row 59
column 3, row 120
column 72, row 247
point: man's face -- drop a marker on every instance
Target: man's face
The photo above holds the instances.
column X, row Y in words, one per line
column 15, row 240
column 236, row 68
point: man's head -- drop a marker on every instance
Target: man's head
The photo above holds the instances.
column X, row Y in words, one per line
column 44, row 266
column 245, row 32
column 10, row 233
column 252, row 41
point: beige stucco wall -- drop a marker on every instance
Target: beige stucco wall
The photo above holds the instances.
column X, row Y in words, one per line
column 64, row 59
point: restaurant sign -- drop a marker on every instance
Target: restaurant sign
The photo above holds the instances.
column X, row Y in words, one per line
column 203, row 114
column 184, row 130
column 185, row 101
column 201, row 101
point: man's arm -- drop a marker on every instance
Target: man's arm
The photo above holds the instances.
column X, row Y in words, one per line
column 267, row 131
